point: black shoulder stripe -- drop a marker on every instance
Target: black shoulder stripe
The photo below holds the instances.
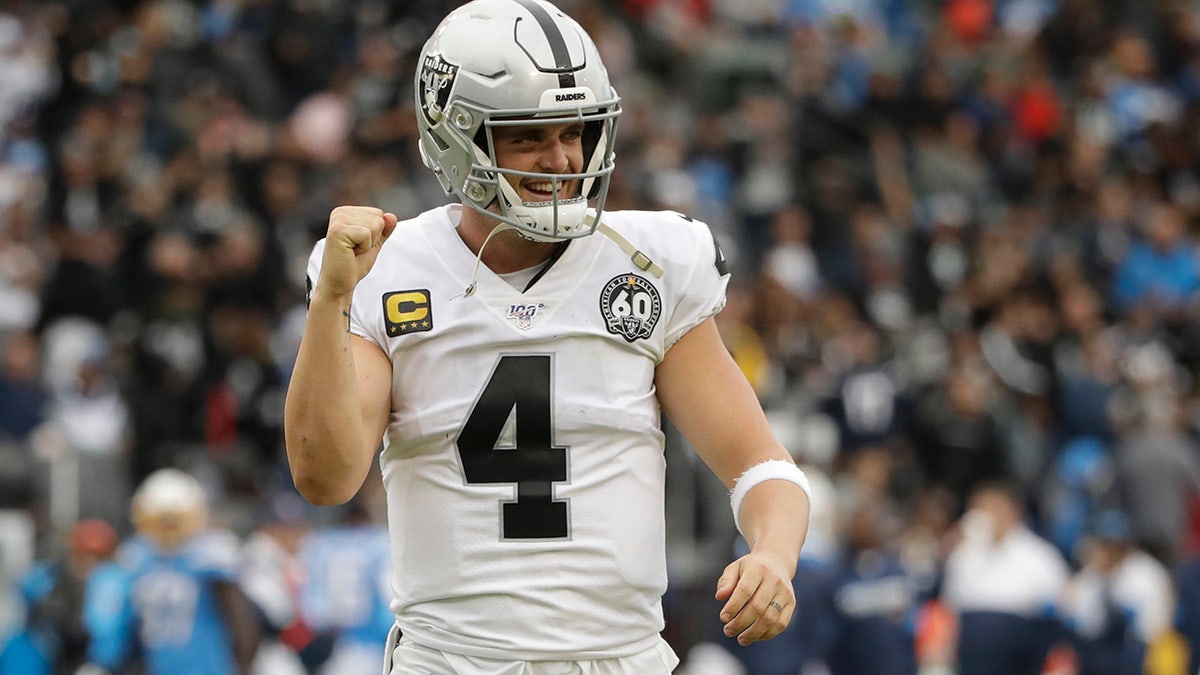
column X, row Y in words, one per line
column 558, row 45
column 720, row 262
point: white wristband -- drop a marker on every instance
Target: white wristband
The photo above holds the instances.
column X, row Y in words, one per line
column 771, row 469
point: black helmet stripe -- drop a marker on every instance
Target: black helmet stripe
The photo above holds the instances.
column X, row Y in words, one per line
column 558, row 45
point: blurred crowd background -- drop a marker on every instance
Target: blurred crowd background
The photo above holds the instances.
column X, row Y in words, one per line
column 966, row 288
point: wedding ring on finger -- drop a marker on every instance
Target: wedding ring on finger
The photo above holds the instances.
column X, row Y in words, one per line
column 778, row 607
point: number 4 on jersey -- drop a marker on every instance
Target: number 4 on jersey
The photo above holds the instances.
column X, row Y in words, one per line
column 521, row 382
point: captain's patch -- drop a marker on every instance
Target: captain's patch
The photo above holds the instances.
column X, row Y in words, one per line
column 407, row 312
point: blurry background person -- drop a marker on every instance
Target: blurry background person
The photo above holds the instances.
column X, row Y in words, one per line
column 187, row 613
column 57, row 635
column 875, row 601
column 22, row 409
column 347, row 588
column 84, row 443
column 1187, row 613
column 1121, row 603
column 272, row 575
column 1157, row 457
column 1004, row 582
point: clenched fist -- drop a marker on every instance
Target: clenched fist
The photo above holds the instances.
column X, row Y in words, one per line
column 352, row 243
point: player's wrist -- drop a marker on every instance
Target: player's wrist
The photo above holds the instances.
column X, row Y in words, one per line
column 331, row 304
column 781, row 550
column 323, row 294
column 769, row 470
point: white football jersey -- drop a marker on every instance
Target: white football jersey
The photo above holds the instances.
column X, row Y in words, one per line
column 524, row 456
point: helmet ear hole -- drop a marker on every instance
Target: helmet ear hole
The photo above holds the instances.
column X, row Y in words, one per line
column 592, row 133
column 481, row 140
column 441, row 145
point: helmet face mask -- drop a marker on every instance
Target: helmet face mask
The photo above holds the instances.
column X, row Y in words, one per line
column 494, row 63
column 169, row 529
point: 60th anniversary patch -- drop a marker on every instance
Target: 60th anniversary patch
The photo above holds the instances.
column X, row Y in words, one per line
column 631, row 307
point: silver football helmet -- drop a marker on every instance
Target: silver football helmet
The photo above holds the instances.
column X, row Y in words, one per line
column 497, row 63
column 169, row 507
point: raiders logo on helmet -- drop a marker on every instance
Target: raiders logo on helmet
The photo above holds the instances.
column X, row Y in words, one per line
column 437, row 76
column 631, row 307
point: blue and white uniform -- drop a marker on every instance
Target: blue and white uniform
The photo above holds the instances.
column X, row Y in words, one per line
column 172, row 607
column 347, row 590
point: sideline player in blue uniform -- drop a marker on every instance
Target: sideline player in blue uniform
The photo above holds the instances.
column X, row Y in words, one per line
column 182, row 606
column 347, row 589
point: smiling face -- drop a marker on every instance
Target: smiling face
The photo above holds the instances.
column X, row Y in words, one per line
column 543, row 148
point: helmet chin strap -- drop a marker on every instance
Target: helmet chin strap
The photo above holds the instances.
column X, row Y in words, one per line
column 639, row 259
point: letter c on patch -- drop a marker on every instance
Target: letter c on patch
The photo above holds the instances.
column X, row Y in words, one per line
column 407, row 312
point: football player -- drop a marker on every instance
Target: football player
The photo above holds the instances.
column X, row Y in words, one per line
column 183, row 607
column 347, row 588
column 515, row 351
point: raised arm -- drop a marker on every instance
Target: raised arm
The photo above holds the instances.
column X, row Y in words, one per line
column 704, row 393
column 339, row 397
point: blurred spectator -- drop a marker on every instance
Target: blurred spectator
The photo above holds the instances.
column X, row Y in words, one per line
column 84, row 444
column 957, row 437
column 1004, row 582
column 1160, row 274
column 1121, row 602
column 789, row 259
column 1085, row 366
column 272, row 575
column 735, row 324
column 24, row 255
column 874, row 600
column 1187, row 613
column 927, row 539
column 869, row 404
column 347, row 589
column 1081, row 482
column 184, row 610
column 58, row 629
column 1158, row 462
column 23, row 398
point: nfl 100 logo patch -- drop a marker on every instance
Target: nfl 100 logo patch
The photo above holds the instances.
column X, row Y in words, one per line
column 631, row 307
column 522, row 315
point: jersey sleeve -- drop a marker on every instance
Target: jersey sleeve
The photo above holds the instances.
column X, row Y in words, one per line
column 363, row 313
column 215, row 556
column 108, row 616
column 702, row 293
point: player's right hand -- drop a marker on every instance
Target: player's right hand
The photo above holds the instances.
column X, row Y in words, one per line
column 352, row 242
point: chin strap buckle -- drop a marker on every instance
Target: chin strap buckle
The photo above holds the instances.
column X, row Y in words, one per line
column 639, row 259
